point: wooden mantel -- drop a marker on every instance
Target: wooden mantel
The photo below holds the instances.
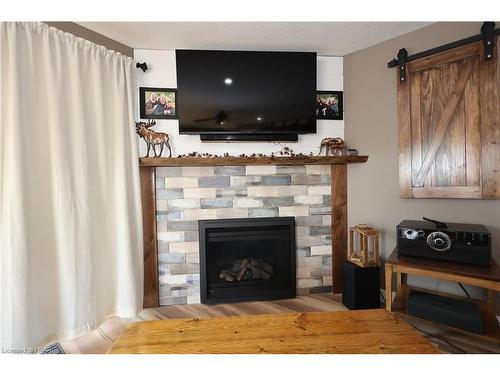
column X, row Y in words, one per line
column 235, row 160
column 148, row 193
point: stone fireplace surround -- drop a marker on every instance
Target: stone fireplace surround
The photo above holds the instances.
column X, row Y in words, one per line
column 148, row 168
column 185, row 195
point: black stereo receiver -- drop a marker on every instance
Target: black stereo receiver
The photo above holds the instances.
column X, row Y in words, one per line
column 454, row 242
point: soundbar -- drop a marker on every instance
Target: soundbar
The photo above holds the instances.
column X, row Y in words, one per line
column 448, row 311
column 255, row 137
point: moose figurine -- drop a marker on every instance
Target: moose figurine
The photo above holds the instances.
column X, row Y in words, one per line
column 336, row 146
column 152, row 138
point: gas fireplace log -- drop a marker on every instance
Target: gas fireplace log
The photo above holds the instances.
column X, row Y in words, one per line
column 258, row 270
column 227, row 275
column 247, row 269
column 243, row 269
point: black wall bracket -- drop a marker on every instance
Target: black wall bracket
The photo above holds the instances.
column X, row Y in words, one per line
column 143, row 66
column 488, row 36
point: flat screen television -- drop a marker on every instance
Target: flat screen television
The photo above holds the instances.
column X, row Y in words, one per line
column 246, row 95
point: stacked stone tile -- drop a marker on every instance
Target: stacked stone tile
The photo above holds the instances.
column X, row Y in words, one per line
column 188, row 194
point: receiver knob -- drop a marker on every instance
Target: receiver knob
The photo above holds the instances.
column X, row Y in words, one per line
column 439, row 241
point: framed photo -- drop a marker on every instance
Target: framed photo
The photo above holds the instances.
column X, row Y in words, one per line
column 158, row 103
column 329, row 105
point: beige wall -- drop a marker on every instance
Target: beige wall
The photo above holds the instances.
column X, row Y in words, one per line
column 83, row 32
column 371, row 127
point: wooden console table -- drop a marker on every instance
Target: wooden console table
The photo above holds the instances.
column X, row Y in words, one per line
column 148, row 195
column 483, row 277
column 362, row 331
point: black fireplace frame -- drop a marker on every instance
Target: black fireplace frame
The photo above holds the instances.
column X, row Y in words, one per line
column 204, row 225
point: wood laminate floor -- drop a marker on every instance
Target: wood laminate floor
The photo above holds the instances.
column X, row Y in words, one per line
column 100, row 340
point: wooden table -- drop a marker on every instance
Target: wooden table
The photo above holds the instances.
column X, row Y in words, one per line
column 362, row 331
column 483, row 277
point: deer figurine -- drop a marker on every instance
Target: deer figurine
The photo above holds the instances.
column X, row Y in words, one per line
column 335, row 146
column 152, row 138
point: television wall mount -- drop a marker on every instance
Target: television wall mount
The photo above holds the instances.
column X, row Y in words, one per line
column 488, row 35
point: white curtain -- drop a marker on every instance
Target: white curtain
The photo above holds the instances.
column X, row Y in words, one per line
column 70, row 210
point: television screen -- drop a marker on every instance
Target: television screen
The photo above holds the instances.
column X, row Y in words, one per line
column 242, row 92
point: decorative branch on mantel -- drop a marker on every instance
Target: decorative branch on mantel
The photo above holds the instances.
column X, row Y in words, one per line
column 285, row 152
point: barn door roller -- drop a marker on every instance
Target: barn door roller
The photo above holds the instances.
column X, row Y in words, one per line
column 488, row 35
column 402, row 59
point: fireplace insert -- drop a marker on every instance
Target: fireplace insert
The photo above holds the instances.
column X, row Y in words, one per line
column 247, row 259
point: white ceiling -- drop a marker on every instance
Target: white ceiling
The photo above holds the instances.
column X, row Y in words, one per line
column 325, row 38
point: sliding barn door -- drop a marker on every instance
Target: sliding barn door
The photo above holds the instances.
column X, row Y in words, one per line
column 449, row 127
